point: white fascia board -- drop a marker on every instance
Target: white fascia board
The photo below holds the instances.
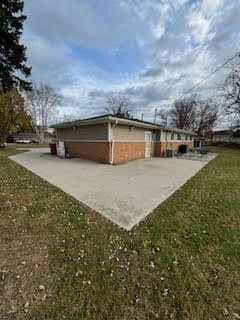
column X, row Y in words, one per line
column 80, row 123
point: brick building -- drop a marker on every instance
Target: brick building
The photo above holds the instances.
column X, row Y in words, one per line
column 112, row 139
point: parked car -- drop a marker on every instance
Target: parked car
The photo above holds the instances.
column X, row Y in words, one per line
column 23, row 141
column 2, row 145
column 35, row 141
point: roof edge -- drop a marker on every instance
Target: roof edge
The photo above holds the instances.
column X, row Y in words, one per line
column 111, row 118
column 99, row 119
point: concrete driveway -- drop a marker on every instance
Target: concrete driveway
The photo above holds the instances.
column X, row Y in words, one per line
column 125, row 193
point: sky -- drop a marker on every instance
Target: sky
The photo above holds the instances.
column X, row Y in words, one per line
column 149, row 50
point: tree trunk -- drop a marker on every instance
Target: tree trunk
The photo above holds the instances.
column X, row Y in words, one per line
column 41, row 134
column 37, row 131
column 2, row 138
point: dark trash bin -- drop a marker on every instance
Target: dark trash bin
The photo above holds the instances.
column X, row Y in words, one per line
column 53, row 148
column 182, row 148
column 169, row 153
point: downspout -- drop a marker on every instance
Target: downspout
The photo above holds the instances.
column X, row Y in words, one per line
column 112, row 141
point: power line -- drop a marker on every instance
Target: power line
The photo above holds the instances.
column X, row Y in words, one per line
column 210, row 74
column 200, row 82
column 204, row 79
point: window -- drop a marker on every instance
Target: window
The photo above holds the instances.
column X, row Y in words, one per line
column 172, row 136
column 178, row 136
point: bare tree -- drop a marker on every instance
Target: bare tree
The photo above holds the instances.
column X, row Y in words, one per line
column 41, row 103
column 163, row 116
column 182, row 113
column 206, row 115
column 68, row 117
column 197, row 115
column 231, row 91
column 119, row 105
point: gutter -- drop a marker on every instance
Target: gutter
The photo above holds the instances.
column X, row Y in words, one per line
column 112, row 141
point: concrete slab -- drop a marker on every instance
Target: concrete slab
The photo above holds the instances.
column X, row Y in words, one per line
column 125, row 193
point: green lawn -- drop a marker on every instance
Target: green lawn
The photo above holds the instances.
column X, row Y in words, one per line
column 182, row 262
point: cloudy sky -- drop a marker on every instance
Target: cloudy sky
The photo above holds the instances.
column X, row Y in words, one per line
column 150, row 50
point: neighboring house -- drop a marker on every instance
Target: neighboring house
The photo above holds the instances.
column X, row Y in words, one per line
column 45, row 134
column 25, row 135
column 112, row 139
column 229, row 136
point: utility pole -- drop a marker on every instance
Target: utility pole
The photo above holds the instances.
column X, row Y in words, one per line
column 155, row 115
column 142, row 116
column 166, row 121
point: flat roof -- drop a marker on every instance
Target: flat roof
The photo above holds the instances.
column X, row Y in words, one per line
column 120, row 120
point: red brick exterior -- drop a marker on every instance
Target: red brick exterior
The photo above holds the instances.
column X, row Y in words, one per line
column 122, row 151
column 96, row 151
column 127, row 151
column 156, row 149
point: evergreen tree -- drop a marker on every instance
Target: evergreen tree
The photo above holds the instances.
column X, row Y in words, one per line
column 13, row 68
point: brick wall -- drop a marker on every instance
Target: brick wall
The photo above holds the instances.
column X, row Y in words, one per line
column 126, row 151
column 123, row 151
column 157, row 149
column 96, row 151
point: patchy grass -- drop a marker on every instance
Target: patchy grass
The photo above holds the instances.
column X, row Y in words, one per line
column 182, row 262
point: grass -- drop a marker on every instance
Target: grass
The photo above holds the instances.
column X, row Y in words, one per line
column 182, row 262
column 28, row 145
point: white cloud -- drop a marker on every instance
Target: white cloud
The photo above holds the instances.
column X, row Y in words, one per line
column 199, row 25
column 91, row 24
column 211, row 6
column 179, row 41
column 158, row 30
